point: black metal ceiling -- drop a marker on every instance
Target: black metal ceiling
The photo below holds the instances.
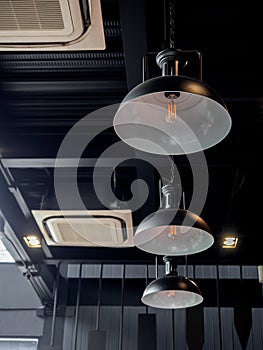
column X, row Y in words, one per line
column 45, row 93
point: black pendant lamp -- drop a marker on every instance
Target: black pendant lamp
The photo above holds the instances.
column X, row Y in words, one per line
column 172, row 114
column 171, row 230
column 172, row 291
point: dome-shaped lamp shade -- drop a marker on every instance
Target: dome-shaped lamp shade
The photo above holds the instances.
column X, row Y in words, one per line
column 172, row 115
column 173, row 232
column 172, row 292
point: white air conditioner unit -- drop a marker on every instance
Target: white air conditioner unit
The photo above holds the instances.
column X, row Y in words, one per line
column 86, row 228
column 57, row 25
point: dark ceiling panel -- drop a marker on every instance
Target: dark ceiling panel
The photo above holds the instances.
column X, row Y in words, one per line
column 45, row 93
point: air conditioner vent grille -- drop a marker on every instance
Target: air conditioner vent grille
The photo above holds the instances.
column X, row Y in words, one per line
column 99, row 232
column 51, row 25
column 31, row 15
column 86, row 228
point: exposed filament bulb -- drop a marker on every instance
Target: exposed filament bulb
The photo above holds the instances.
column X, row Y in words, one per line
column 171, row 109
column 172, row 232
column 171, row 294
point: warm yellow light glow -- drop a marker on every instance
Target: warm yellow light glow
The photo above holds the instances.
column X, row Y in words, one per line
column 171, row 109
column 172, row 232
column 171, row 293
column 230, row 242
column 32, row 241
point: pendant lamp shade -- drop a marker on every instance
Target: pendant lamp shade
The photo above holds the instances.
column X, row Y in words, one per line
column 172, row 292
column 173, row 231
column 186, row 234
column 172, row 115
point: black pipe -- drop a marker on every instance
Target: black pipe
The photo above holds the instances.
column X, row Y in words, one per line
column 55, row 302
column 122, row 308
column 75, row 330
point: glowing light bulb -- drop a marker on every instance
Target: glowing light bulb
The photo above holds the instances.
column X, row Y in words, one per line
column 172, row 232
column 171, row 109
column 229, row 241
column 171, row 294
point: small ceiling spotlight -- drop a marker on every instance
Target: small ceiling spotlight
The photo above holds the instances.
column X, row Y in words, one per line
column 32, row 241
column 230, row 241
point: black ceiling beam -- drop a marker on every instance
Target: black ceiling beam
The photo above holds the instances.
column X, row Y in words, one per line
column 134, row 37
column 249, row 292
column 16, row 220
column 133, row 255
column 63, row 87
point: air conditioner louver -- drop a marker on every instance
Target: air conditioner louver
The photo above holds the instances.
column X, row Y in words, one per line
column 26, row 15
column 100, row 228
column 50, row 25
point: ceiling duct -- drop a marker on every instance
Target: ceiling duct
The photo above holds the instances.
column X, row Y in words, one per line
column 86, row 228
column 61, row 25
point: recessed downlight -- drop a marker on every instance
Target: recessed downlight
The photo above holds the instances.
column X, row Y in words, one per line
column 32, row 241
column 230, row 242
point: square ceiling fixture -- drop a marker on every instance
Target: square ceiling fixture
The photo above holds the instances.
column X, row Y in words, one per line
column 51, row 25
column 86, row 228
column 32, row 241
column 230, row 242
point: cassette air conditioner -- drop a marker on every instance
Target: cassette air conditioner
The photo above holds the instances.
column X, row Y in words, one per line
column 81, row 228
column 61, row 25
